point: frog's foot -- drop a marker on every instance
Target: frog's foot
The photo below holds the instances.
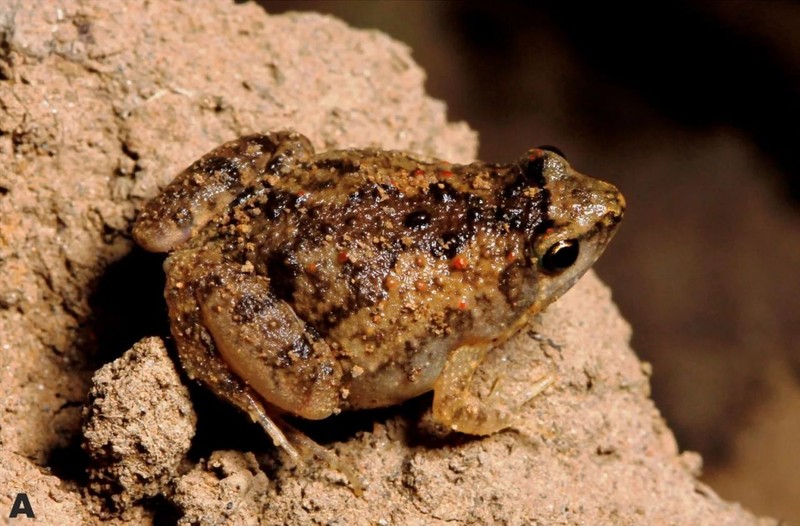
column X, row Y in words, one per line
column 203, row 190
column 259, row 414
column 505, row 394
column 300, row 448
column 455, row 406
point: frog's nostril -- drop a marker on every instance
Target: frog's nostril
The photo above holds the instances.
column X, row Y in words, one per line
column 612, row 217
column 615, row 201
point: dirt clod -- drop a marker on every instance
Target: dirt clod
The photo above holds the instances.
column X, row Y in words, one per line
column 229, row 488
column 139, row 424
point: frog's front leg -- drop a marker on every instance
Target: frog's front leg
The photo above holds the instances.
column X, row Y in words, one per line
column 207, row 187
column 461, row 410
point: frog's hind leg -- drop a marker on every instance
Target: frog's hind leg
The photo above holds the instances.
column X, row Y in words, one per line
column 264, row 343
column 197, row 351
column 208, row 186
column 454, row 404
column 251, row 350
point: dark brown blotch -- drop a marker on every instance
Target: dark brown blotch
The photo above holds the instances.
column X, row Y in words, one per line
column 326, row 229
column 265, row 142
column 512, row 216
column 249, row 307
column 341, row 166
column 367, row 281
column 224, row 169
column 241, row 200
column 300, row 349
column 533, row 170
column 281, row 277
column 417, row 219
column 511, row 281
column 450, row 244
column 276, row 204
column 474, row 215
column 443, row 192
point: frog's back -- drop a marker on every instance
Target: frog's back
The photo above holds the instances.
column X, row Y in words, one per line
column 391, row 260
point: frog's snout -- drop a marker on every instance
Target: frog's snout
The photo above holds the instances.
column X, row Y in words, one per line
column 610, row 204
column 620, row 199
column 616, row 208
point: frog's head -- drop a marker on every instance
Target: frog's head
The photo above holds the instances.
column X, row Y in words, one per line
column 582, row 215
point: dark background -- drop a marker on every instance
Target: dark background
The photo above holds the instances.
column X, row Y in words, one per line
column 691, row 108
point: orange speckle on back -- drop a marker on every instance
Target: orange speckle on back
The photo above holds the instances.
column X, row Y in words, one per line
column 343, row 257
column 459, row 263
column 391, row 283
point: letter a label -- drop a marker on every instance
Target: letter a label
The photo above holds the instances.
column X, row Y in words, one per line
column 22, row 506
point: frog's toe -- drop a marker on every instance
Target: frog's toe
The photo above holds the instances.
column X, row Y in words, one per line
column 515, row 394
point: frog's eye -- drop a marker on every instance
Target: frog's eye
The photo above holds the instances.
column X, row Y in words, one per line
column 553, row 149
column 561, row 255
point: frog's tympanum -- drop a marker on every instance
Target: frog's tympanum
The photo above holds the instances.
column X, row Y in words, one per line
column 310, row 284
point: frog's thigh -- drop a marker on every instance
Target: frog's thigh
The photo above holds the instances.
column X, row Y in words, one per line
column 197, row 351
column 208, row 186
column 261, row 339
column 455, row 406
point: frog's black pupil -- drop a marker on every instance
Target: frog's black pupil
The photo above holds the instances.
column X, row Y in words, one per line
column 561, row 255
column 553, row 149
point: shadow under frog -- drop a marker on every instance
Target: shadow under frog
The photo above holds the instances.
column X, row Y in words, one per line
column 309, row 284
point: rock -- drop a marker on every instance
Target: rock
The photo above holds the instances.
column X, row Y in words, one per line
column 139, row 425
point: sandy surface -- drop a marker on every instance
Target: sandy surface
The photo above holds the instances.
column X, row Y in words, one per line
column 101, row 103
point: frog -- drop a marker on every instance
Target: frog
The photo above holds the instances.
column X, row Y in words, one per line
column 304, row 284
